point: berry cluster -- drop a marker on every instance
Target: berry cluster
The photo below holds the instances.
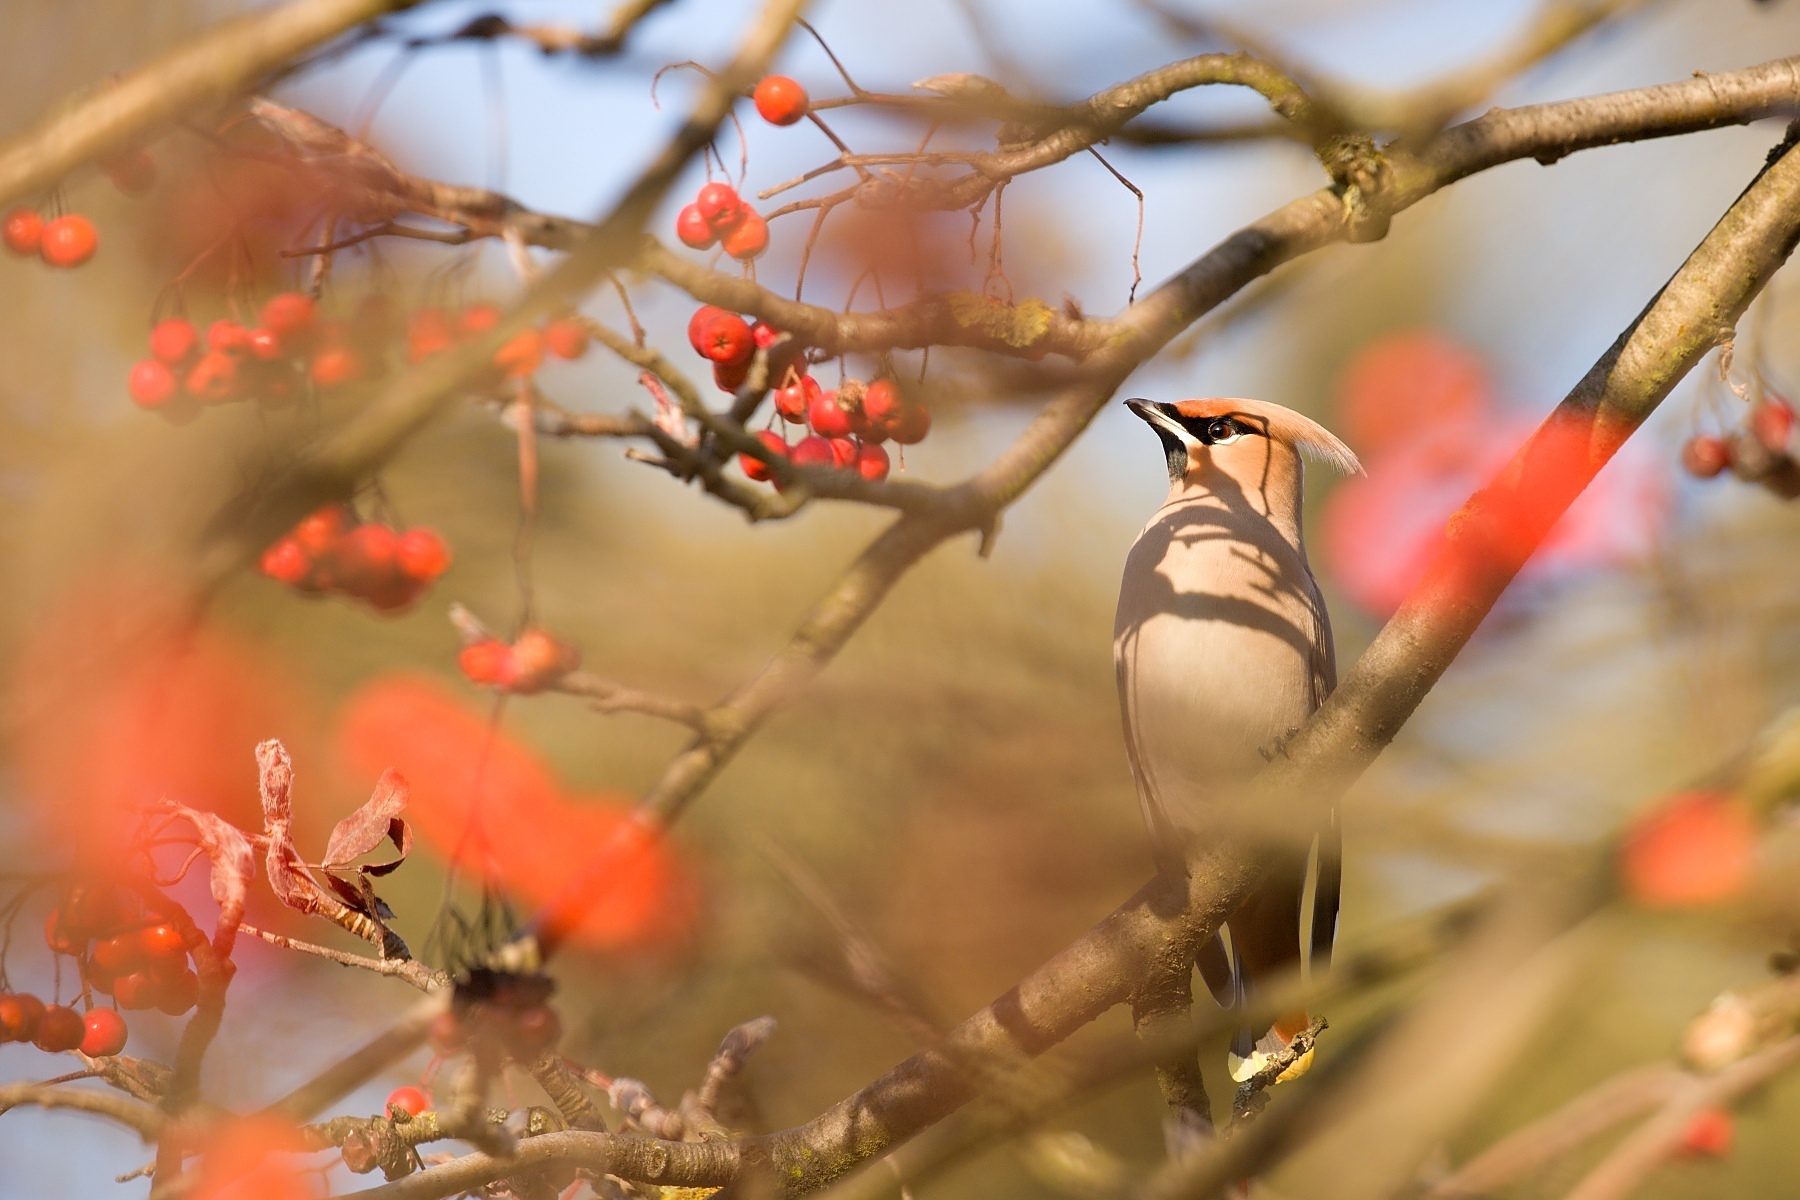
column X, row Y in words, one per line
column 719, row 216
column 532, row 662
column 331, row 551
column 271, row 362
column 66, row 241
column 847, row 426
column 431, row 331
column 55, row 1028
column 1763, row 451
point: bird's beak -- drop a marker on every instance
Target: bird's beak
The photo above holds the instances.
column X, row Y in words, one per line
column 1160, row 417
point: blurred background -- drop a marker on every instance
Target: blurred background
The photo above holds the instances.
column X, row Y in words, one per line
column 957, row 778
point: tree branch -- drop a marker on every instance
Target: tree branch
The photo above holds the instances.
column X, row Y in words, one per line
column 216, row 66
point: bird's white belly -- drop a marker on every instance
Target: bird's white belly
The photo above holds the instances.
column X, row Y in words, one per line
column 1215, row 646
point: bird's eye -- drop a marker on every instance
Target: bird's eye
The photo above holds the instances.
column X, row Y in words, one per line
column 1223, row 431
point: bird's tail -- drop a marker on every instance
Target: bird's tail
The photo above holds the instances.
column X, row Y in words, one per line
column 1251, row 1051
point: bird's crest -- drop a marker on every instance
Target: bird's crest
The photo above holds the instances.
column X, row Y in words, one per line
column 1283, row 424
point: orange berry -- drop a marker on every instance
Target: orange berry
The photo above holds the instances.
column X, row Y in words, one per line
column 1704, row 455
column 489, row 663
column 335, row 366
column 422, row 555
column 103, row 1033
column 23, row 231
column 59, row 1029
column 779, row 100
column 409, row 1100
column 1709, row 1134
column 1695, row 848
column 151, row 383
column 477, row 318
column 69, row 241
column 872, row 462
column 748, row 238
column 566, row 338
column 718, row 205
column 173, row 339
column 288, row 314
column 755, row 468
column 521, row 354
column 695, row 232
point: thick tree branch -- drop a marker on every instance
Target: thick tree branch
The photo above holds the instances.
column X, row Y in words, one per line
column 223, row 62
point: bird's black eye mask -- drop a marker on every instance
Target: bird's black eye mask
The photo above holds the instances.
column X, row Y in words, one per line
column 1208, row 431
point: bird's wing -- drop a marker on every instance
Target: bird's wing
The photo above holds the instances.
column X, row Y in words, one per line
column 1328, row 881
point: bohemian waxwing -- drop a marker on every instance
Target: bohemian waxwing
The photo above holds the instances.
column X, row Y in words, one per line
column 1223, row 648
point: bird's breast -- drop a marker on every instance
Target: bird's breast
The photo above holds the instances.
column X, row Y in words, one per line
column 1217, row 643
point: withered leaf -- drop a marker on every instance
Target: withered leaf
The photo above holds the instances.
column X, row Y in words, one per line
column 232, row 865
column 378, row 818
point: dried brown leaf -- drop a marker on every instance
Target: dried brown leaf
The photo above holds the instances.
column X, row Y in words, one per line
column 364, row 829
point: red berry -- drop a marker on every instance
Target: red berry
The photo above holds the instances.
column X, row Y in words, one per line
column 104, row 1033
column 911, row 426
column 697, row 326
column 779, row 100
column 161, row 941
column 764, row 334
column 1709, row 1133
column 792, row 400
column 718, row 205
column 813, row 452
column 1704, row 455
column 489, row 663
column 1772, row 422
column 69, row 241
column 23, row 231
column 19, row 1017
column 136, row 991
column 477, row 318
column 175, row 994
column 843, row 453
column 120, row 954
column 422, row 555
column 409, row 1100
column 521, row 354
column 755, row 468
column 368, row 558
column 286, row 562
column 726, row 339
column 827, row 418
column 97, row 910
column 173, row 339
column 59, row 1029
column 318, row 532
column 694, row 230
column 133, row 172
column 729, row 377
column 289, row 315
column 566, row 337
column 881, row 403
column 1694, row 848
column 335, row 366
column 263, row 344
column 151, row 383
column 748, row 238
column 428, row 332
column 872, row 462
column 60, row 939
column 213, row 378
column 227, row 337
column 538, row 659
